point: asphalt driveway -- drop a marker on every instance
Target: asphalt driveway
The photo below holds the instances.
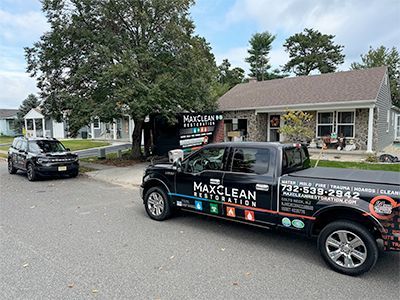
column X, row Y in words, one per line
column 81, row 238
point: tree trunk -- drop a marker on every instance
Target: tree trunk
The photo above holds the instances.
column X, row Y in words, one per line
column 137, row 138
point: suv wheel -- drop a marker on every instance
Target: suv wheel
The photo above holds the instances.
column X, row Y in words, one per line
column 31, row 172
column 11, row 168
column 157, row 204
column 74, row 174
column 348, row 247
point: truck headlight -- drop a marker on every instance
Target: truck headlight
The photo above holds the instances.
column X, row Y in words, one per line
column 41, row 160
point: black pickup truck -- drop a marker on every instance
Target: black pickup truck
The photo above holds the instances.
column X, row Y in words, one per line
column 272, row 185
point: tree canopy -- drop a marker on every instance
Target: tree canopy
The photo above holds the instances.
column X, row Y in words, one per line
column 229, row 77
column 311, row 50
column 31, row 101
column 260, row 46
column 108, row 58
column 383, row 56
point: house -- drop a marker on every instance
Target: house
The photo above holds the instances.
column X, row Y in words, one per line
column 39, row 125
column 355, row 104
column 8, row 124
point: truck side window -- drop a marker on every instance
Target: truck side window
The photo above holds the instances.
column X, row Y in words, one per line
column 206, row 159
column 250, row 160
column 295, row 159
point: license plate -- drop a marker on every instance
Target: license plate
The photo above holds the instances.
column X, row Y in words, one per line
column 62, row 168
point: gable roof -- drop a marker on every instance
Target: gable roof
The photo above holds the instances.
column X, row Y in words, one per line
column 8, row 113
column 348, row 86
column 34, row 113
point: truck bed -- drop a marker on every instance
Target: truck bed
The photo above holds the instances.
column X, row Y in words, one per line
column 380, row 177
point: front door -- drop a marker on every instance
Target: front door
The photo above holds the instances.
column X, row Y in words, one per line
column 198, row 185
column 274, row 126
column 250, row 186
column 22, row 154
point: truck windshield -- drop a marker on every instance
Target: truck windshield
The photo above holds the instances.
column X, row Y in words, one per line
column 46, row 146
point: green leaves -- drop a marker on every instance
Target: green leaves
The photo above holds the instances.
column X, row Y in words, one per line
column 312, row 50
column 260, row 46
column 383, row 56
column 297, row 126
column 107, row 58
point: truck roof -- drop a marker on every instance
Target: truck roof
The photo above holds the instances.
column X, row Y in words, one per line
column 252, row 145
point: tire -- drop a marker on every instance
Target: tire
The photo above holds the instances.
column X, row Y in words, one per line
column 11, row 168
column 348, row 247
column 31, row 172
column 74, row 174
column 156, row 204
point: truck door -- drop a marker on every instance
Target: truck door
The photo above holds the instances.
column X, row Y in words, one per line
column 249, row 183
column 22, row 153
column 199, row 185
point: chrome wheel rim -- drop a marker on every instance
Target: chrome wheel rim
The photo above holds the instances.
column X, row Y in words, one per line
column 155, row 203
column 10, row 165
column 346, row 249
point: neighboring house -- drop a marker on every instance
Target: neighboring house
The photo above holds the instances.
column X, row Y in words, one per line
column 38, row 125
column 354, row 104
column 8, row 124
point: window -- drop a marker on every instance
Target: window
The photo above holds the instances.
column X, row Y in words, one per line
column 29, row 124
column 345, row 124
column 96, row 123
column 206, row 159
column 16, row 144
column 295, row 159
column 46, row 146
column 324, row 124
column 23, row 145
column 248, row 160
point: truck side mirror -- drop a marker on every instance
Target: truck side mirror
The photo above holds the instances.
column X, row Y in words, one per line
column 177, row 165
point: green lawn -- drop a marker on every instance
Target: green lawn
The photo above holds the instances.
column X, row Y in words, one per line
column 358, row 165
column 6, row 139
column 83, row 144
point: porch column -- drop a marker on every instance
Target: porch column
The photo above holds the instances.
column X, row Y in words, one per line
column 130, row 130
column 370, row 129
column 34, row 128
column 114, row 129
column 44, row 127
column 92, row 129
column 26, row 127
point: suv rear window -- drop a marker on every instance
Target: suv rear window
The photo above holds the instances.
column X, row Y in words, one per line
column 251, row 160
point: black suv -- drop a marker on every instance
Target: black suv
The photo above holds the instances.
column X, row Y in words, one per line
column 41, row 157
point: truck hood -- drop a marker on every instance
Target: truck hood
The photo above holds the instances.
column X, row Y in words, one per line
column 380, row 177
column 163, row 166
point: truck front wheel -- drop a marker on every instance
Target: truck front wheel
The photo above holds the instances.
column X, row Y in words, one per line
column 156, row 204
column 348, row 247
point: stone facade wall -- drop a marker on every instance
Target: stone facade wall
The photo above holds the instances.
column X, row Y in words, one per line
column 256, row 124
column 361, row 129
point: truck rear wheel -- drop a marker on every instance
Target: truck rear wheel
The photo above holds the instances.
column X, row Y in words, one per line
column 348, row 247
column 156, row 204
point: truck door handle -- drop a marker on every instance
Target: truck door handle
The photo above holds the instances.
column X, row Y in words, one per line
column 215, row 181
column 262, row 187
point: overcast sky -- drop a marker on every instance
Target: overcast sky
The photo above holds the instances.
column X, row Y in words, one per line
column 226, row 24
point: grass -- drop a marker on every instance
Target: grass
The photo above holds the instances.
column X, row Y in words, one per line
column 358, row 165
column 6, row 139
column 75, row 145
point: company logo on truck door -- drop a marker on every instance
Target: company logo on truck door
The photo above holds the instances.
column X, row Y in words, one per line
column 382, row 207
column 225, row 194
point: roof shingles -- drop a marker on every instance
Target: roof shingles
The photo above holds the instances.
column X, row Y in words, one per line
column 356, row 85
